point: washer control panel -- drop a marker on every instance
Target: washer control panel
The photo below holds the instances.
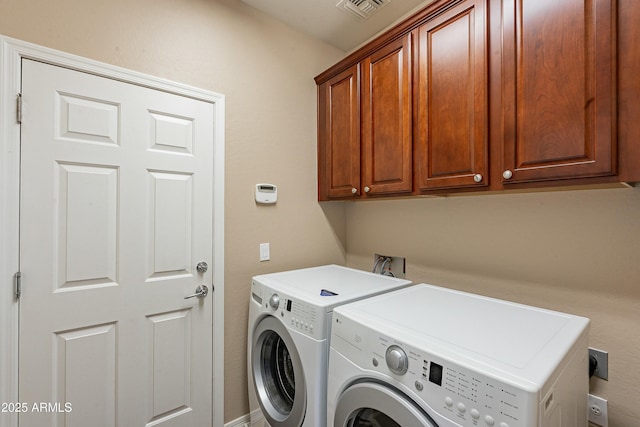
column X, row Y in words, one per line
column 302, row 317
column 467, row 397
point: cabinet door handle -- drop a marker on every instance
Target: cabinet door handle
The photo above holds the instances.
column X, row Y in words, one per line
column 477, row 177
column 507, row 174
column 354, row 190
column 366, row 189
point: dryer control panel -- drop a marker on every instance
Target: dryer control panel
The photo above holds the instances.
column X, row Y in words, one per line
column 455, row 392
column 301, row 317
column 295, row 314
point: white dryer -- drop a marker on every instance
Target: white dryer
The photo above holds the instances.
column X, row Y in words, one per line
column 288, row 339
column 426, row 356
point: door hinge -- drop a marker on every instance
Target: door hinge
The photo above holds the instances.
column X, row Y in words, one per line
column 18, row 280
column 19, row 108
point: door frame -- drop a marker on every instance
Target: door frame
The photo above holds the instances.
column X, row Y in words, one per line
column 12, row 52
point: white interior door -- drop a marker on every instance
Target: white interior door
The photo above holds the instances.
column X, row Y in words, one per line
column 116, row 212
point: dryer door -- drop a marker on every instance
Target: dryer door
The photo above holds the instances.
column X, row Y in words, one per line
column 375, row 404
column 277, row 372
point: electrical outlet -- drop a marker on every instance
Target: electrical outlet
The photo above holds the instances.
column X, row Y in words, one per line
column 602, row 360
column 389, row 265
column 598, row 411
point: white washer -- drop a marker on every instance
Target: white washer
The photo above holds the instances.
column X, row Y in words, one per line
column 435, row 357
column 288, row 339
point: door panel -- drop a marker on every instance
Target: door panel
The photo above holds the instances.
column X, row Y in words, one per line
column 116, row 211
column 386, row 119
column 559, row 89
column 452, row 81
column 339, row 136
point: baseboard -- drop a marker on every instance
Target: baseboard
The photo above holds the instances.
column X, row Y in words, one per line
column 254, row 419
column 243, row 421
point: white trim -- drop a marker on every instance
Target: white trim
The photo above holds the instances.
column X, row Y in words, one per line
column 9, row 230
column 243, row 421
column 11, row 53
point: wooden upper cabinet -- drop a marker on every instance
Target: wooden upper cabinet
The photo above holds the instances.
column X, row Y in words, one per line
column 386, row 120
column 339, row 136
column 451, row 97
column 483, row 94
column 365, row 128
column 559, row 99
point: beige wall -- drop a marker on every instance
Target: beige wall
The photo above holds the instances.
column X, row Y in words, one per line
column 573, row 251
column 266, row 72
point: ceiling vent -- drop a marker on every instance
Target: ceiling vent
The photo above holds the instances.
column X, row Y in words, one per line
column 362, row 9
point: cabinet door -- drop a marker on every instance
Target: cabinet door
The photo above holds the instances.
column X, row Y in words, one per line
column 451, row 69
column 386, row 119
column 339, row 136
column 558, row 89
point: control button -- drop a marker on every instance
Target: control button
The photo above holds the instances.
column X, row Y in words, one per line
column 475, row 414
column 461, row 407
column 375, row 362
column 503, row 424
column 419, row 386
column 448, row 401
column 489, row 420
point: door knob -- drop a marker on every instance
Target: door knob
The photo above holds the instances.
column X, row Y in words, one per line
column 201, row 292
column 202, row 267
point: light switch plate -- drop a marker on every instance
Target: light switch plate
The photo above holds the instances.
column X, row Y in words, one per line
column 264, row 252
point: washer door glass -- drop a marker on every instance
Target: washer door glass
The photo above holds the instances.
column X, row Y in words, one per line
column 277, row 374
column 372, row 417
column 374, row 404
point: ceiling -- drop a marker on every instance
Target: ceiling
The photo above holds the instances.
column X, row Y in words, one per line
column 323, row 20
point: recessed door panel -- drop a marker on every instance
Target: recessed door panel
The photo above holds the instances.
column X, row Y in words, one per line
column 169, row 365
column 171, row 223
column 171, row 134
column 87, row 198
column 87, row 120
column 86, row 356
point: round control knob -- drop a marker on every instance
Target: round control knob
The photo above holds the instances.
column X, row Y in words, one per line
column 397, row 360
column 274, row 301
column 366, row 189
column 507, row 174
column 354, row 190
